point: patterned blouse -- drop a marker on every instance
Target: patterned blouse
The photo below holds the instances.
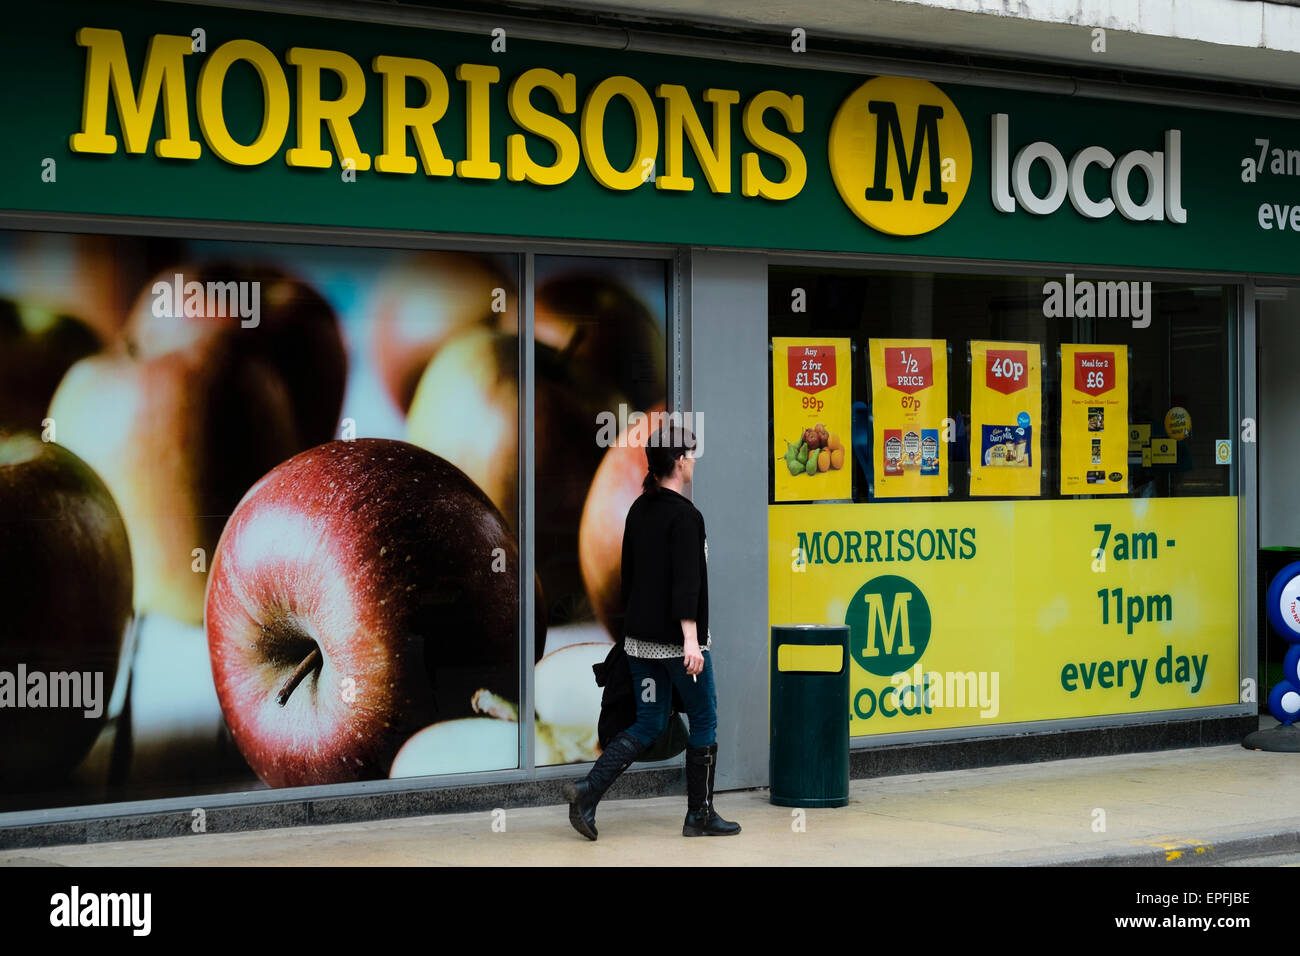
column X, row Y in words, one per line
column 649, row 650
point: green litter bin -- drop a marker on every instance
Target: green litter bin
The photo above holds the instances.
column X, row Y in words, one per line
column 808, row 762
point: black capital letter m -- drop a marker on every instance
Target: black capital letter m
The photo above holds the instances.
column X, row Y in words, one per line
column 890, row 130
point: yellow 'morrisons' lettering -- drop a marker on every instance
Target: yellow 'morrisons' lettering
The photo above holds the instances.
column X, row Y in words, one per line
column 752, row 180
column 420, row 120
column 336, row 114
column 275, row 103
column 885, row 627
column 520, row 167
column 164, row 74
column 593, row 132
column 680, row 115
column 477, row 163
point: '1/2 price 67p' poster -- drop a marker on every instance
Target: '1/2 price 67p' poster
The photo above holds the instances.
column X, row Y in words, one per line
column 909, row 402
column 1094, row 419
column 812, row 419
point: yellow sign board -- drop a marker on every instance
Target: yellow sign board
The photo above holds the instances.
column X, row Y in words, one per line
column 1139, row 435
column 1164, row 451
column 1094, row 420
column 909, row 402
column 1005, row 419
column 964, row 614
column 812, row 419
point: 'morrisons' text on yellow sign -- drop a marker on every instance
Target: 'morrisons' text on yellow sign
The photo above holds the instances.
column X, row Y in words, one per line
column 535, row 98
column 965, row 614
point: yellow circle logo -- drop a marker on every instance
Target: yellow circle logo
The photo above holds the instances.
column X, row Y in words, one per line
column 900, row 155
column 1178, row 423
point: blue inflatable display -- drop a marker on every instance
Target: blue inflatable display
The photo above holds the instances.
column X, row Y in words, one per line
column 1284, row 615
column 1283, row 604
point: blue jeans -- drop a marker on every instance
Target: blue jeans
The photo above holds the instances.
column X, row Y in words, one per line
column 655, row 680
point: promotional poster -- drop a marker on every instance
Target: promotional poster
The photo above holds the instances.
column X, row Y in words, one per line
column 1094, row 420
column 812, row 417
column 909, row 389
column 1006, row 419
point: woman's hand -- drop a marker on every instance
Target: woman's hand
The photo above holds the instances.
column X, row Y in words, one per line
column 694, row 659
column 691, row 646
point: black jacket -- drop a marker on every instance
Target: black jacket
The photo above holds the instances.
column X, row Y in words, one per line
column 665, row 576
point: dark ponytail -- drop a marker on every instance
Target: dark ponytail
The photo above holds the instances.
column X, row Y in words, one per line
column 662, row 451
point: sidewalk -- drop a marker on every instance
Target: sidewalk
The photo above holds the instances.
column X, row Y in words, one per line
column 1203, row 805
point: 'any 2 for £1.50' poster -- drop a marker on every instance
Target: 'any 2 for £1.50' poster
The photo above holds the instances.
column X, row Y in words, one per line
column 812, row 419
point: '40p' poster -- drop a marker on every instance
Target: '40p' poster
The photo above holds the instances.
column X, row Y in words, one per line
column 909, row 401
column 1094, row 419
column 1005, row 419
column 811, row 419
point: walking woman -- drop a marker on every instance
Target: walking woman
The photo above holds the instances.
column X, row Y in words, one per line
column 666, row 601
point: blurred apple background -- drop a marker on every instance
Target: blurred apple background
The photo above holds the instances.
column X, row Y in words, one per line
column 180, row 414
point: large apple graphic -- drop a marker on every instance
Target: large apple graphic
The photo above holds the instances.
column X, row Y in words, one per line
column 466, row 409
column 600, row 535
column 294, row 331
column 65, row 586
column 37, row 346
column 94, row 277
column 361, row 590
column 602, row 327
column 567, row 709
column 420, row 304
column 177, row 438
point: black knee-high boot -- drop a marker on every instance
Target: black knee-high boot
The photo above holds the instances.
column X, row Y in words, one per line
column 586, row 793
column 701, row 818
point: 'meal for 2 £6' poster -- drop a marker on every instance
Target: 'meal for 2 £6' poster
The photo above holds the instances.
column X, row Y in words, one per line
column 1005, row 411
column 909, row 401
column 1094, row 419
column 812, row 419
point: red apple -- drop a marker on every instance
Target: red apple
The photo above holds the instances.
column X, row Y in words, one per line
column 602, row 328
column 422, row 303
column 177, row 439
column 466, row 409
column 94, row 277
column 65, row 585
column 361, row 591
column 37, row 346
column 600, row 536
column 295, row 331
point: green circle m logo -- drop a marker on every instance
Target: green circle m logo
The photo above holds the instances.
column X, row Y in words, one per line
column 889, row 625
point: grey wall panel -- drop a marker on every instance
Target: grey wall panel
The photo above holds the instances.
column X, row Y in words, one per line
column 725, row 323
column 1279, row 397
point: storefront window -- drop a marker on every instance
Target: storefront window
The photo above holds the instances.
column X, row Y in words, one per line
column 258, row 516
column 1016, row 492
column 1175, row 337
column 599, row 334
